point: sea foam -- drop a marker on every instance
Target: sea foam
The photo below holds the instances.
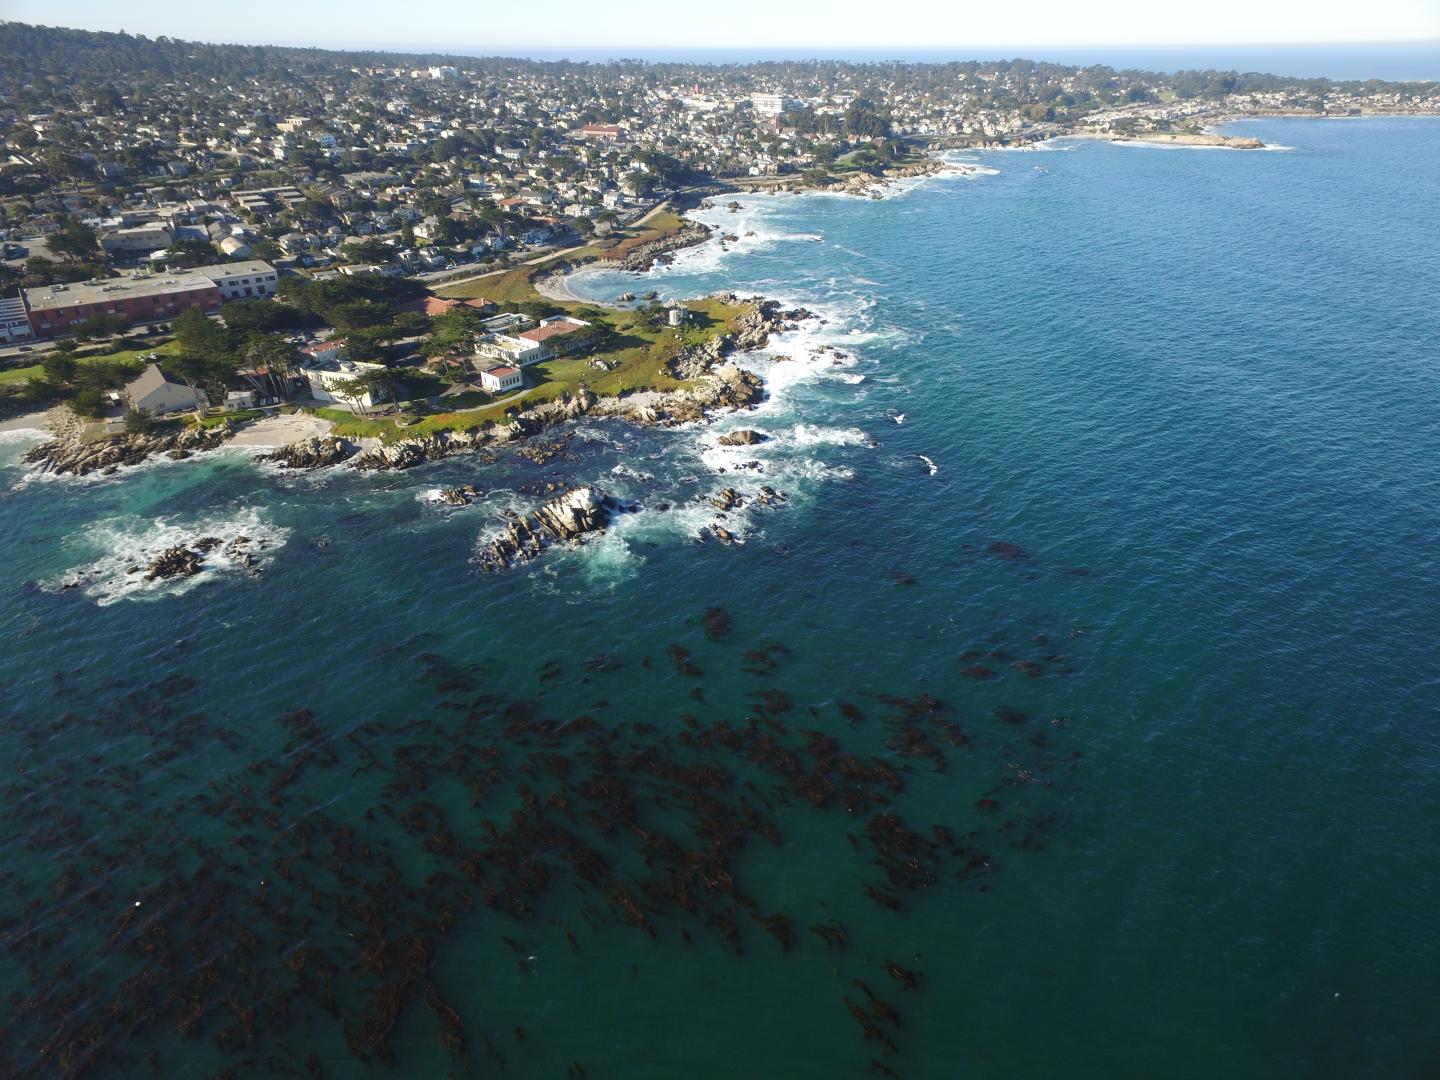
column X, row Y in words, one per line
column 122, row 544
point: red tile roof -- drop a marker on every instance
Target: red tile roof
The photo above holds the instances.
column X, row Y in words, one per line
column 549, row 330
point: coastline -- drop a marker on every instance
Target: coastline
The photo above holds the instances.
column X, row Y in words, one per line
column 305, row 441
column 41, row 424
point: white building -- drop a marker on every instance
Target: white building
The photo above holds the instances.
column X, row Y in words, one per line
column 241, row 280
column 327, row 382
column 770, row 104
column 136, row 238
column 323, row 353
column 502, row 379
column 14, row 323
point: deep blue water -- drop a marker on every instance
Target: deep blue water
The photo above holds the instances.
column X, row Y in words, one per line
column 1193, row 391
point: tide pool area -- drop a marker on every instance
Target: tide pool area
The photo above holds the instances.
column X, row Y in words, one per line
column 1068, row 708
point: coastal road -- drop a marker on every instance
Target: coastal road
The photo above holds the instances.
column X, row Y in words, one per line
column 544, row 256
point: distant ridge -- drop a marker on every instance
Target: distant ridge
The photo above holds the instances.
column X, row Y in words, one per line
column 35, row 53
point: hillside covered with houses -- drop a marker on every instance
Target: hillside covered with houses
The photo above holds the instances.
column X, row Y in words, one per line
column 360, row 232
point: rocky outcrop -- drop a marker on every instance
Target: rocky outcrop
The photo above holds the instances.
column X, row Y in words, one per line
column 569, row 518
column 73, row 454
column 463, row 495
column 182, row 560
column 1191, row 138
column 662, row 249
column 726, row 389
column 407, row 453
column 174, row 562
column 859, row 183
column 750, row 330
column 726, row 499
column 695, row 361
column 743, row 437
column 312, row 453
column 717, row 387
column 761, row 318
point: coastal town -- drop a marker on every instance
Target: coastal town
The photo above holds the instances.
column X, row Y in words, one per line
column 378, row 242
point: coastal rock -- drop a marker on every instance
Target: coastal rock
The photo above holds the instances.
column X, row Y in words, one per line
column 662, row 250
column 760, row 319
column 463, row 495
column 174, row 562
column 569, row 518
column 407, row 453
column 743, row 437
column 311, row 453
column 695, row 361
column 1190, row 138
column 73, row 454
column 542, row 452
column 726, row 499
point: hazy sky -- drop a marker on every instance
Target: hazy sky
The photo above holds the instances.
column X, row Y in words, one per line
column 487, row 26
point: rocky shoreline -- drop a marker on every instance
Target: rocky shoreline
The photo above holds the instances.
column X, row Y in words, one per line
column 661, row 251
column 71, row 453
column 862, row 184
column 1182, row 138
column 717, row 386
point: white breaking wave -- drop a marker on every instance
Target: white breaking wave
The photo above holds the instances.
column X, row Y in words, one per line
column 933, row 467
column 126, row 546
column 24, row 435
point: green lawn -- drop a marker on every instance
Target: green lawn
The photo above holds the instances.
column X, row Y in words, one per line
column 513, row 286
column 125, row 356
column 639, row 355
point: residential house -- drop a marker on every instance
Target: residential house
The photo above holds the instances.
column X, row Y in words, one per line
column 157, row 393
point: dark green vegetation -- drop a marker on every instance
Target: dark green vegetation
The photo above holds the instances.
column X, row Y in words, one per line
column 483, row 822
column 117, row 72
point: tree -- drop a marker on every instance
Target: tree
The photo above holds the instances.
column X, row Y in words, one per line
column 368, row 251
column 452, row 330
column 101, row 326
column 381, row 383
column 254, row 316
column 59, row 368
column 89, row 401
column 190, row 252
column 352, row 391
column 138, row 422
column 200, row 337
column 74, row 241
column 275, row 357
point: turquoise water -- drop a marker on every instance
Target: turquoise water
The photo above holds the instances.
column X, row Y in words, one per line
column 1181, row 407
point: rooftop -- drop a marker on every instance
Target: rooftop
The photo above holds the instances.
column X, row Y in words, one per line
column 548, row 330
column 150, row 380
column 104, row 290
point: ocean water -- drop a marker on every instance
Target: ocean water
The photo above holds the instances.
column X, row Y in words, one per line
column 1108, row 547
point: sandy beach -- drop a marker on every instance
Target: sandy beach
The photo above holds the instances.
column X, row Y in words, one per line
column 557, row 287
column 281, row 430
column 36, row 421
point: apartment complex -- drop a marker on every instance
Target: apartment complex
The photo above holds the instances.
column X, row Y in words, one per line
column 142, row 298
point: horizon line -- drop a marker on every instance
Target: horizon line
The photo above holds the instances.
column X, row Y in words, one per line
column 1348, row 44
